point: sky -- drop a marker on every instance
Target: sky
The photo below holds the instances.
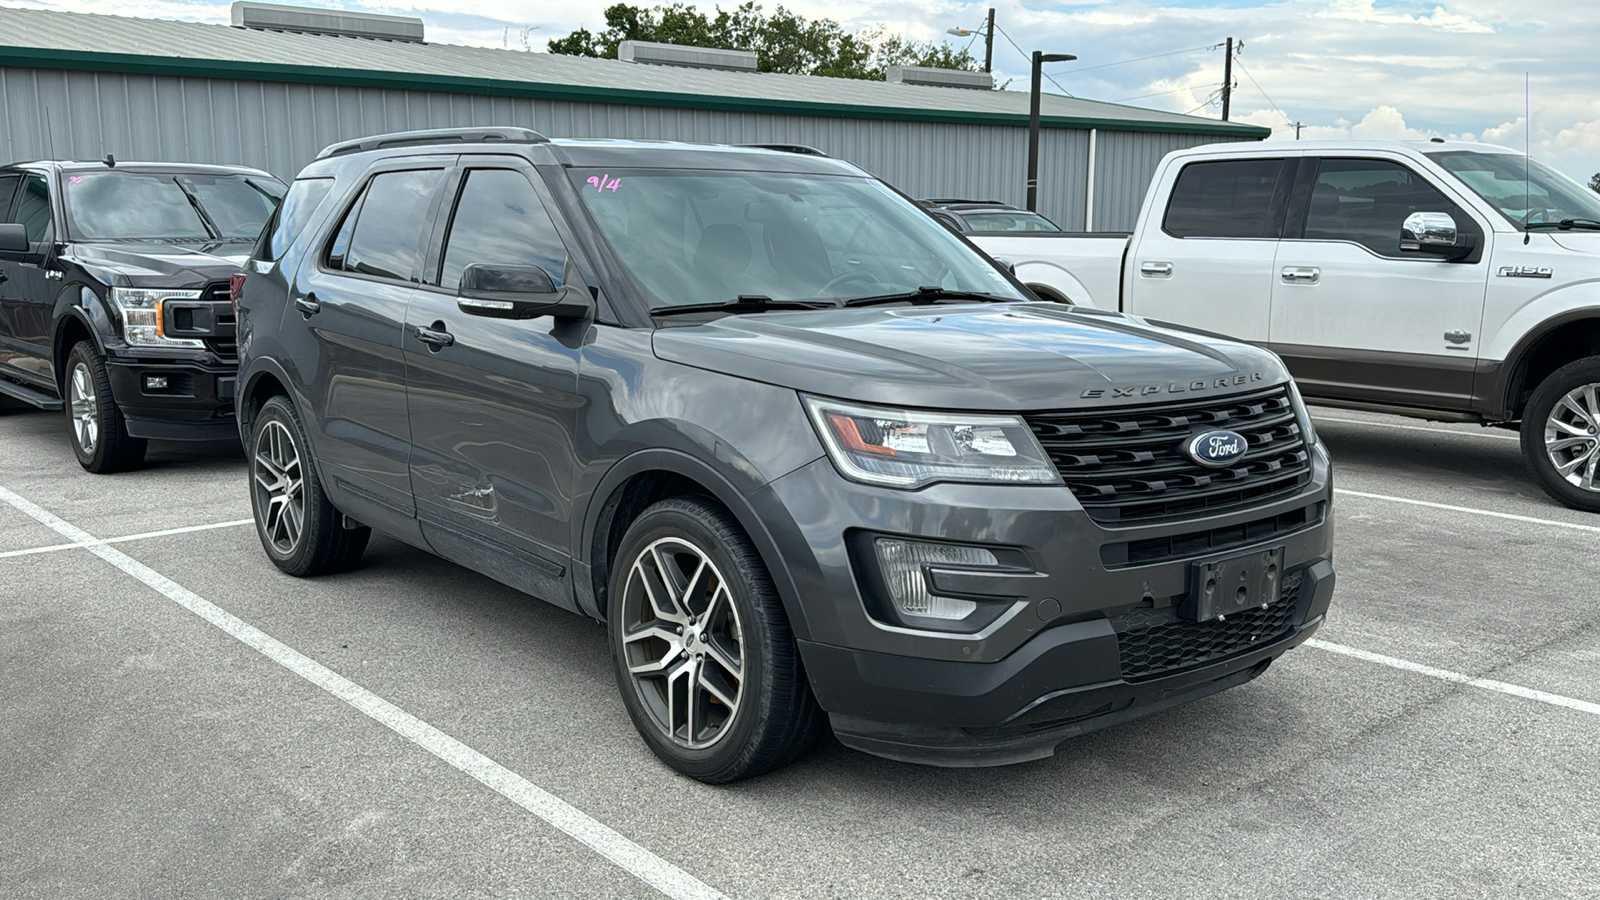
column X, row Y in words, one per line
column 1341, row 68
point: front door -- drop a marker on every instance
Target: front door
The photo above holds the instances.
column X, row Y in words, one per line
column 1206, row 261
column 28, row 293
column 493, row 410
column 1354, row 317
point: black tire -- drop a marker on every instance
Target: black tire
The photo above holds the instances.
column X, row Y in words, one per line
column 95, row 425
column 774, row 720
column 1556, row 435
column 284, row 487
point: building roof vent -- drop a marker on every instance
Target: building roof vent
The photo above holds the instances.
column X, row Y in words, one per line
column 930, row 77
column 304, row 20
column 688, row 57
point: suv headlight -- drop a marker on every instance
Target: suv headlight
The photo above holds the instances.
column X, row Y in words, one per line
column 141, row 316
column 906, row 448
column 1302, row 416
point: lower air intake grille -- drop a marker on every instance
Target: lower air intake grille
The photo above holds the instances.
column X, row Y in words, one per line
column 1156, row 642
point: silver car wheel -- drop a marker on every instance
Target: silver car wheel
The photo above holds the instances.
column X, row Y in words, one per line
column 1572, row 436
column 279, row 487
column 84, row 400
column 683, row 642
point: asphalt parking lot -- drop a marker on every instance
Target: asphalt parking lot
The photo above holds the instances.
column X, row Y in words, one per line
column 178, row 719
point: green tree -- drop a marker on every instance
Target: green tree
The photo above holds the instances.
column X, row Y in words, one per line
column 783, row 41
column 1594, row 182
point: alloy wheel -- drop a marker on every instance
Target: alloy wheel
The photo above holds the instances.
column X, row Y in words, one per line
column 1572, row 436
column 84, row 400
column 279, row 487
column 683, row 643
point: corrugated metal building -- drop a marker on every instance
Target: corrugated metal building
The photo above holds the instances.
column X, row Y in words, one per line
column 82, row 86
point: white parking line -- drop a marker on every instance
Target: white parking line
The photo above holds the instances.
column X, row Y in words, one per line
column 635, row 859
column 1594, row 529
column 127, row 537
column 1472, row 434
column 1487, row 684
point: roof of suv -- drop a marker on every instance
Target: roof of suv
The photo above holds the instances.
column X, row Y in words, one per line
column 80, row 165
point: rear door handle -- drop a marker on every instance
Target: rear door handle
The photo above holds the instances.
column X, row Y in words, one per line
column 436, row 337
column 308, row 305
column 1156, row 269
column 1301, row 275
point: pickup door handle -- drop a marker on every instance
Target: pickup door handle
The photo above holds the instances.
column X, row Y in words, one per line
column 308, row 305
column 436, row 337
column 1155, row 269
column 1301, row 275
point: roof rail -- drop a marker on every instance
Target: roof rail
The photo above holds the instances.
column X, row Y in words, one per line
column 435, row 136
column 801, row 149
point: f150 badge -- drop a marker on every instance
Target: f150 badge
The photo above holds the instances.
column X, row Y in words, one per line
column 1525, row 272
column 1216, row 449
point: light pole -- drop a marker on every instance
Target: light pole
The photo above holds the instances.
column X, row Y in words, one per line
column 988, row 40
column 1039, row 59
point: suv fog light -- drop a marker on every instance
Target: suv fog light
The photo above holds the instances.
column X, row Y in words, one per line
column 155, row 382
column 904, row 564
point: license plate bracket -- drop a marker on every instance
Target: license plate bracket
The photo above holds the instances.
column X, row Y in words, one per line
column 1233, row 584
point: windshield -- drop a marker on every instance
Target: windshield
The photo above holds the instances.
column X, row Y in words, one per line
column 692, row 237
column 1527, row 194
column 1009, row 220
column 123, row 206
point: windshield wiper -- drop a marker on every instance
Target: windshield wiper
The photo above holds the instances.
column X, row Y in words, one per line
column 205, row 218
column 926, row 295
column 1565, row 225
column 745, row 303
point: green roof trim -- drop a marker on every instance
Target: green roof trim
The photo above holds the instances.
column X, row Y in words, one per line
column 92, row 61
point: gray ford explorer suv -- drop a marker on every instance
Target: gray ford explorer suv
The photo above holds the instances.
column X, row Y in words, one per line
column 813, row 459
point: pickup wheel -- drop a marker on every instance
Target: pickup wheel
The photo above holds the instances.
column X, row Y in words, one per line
column 301, row 531
column 705, row 660
column 97, row 429
column 1561, row 434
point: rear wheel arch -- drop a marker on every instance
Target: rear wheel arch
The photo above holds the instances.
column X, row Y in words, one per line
column 1557, row 343
column 1046, row 292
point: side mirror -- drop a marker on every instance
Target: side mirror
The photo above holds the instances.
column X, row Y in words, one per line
column 518, row 292
column 1006, row 264
column 1434, row 233
column 14, row 244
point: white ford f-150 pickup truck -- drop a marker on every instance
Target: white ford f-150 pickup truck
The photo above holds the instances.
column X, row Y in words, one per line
column 1443, row 280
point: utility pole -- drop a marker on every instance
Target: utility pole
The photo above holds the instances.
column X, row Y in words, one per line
column 1297, row 127
column 1227, row 80
column 988, row 43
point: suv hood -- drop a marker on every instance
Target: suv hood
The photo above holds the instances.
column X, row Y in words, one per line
column 161, row 265
column 990, row 356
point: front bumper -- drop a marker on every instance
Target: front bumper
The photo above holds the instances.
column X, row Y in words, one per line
column 1089, row 640
column 195, row 405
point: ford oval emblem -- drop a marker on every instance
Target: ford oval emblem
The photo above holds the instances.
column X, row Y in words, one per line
column 1217, row 449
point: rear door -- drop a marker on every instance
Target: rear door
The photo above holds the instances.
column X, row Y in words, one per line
column 1206, row 259
column 1354, row 317
column 493, row 412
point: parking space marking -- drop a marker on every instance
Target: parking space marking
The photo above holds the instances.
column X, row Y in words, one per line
column 1488, row 684
column 1472, row 434
column 127, row 537
column 631, row 857
column 1595, row 529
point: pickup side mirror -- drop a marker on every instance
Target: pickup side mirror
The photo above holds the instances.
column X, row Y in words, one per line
column 14, row 244
column 1435, row 233
column 518, row 292
column 1005, row 263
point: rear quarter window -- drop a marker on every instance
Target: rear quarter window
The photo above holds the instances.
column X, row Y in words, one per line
column 286, row 223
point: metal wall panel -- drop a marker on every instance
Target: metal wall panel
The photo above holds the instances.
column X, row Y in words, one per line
column 279, row 127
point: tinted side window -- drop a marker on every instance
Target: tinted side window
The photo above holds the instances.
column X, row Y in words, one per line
column 1228, row 199
column 391, row 230
column 33, row 209
column 499, row 219
column 8, row 186
column 291, row 216
column 1367, row 200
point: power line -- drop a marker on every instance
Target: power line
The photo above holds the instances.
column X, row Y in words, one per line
column 1275, row 107
column 1162, row 93
column 1143, row 58
column 1029, row 57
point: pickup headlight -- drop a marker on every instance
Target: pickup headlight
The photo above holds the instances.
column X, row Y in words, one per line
column 905, row 448
column 1302, row 416
column 141, row 316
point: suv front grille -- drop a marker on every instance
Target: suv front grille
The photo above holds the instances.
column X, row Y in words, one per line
column 225, row 344
column 1127, row 466
column 1154, row 642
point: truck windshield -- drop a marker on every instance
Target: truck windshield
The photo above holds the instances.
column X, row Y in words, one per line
column 1527, row 192
column 694, row 237
column 125, row 206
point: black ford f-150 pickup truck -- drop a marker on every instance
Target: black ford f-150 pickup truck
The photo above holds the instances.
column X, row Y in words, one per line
column 114, row 281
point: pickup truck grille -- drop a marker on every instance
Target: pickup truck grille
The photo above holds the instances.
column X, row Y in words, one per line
column 224, row 343
column 1127, row 466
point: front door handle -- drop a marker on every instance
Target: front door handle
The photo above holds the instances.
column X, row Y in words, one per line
column 1156, row 269
column 1301, row 275
column 308, row 305
column 435, row 337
